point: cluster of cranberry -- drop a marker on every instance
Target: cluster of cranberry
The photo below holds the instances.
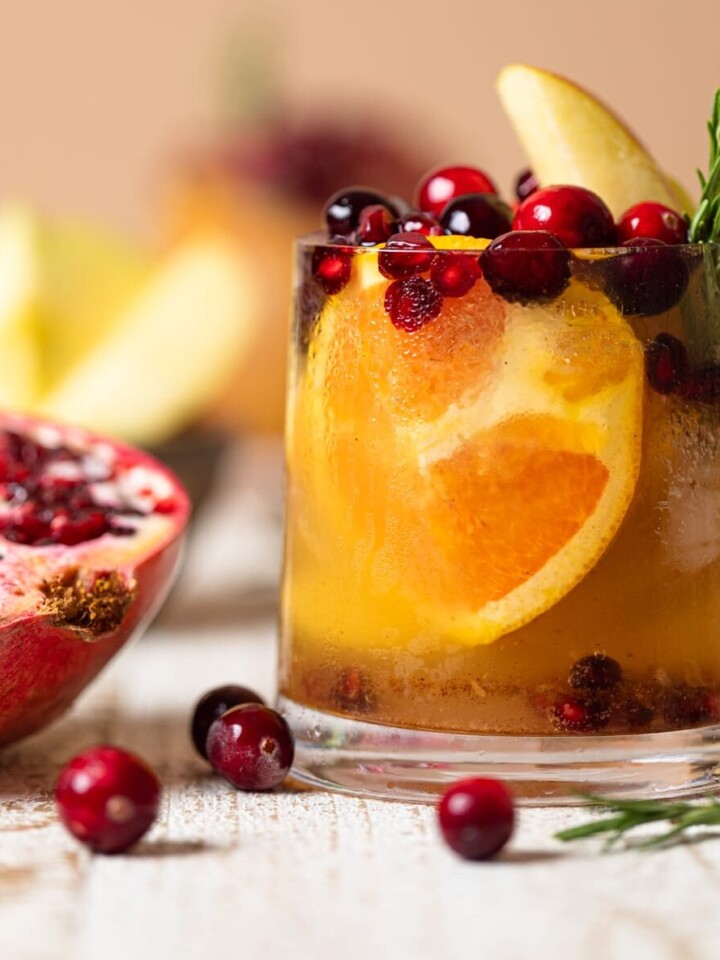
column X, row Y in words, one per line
column 109, row 798
column 528, row 259
column 599, row 693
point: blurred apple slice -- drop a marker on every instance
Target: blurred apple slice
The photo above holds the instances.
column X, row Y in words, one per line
column 87, row 276
column 570, row 137
column 19, row 366
column 167, row 354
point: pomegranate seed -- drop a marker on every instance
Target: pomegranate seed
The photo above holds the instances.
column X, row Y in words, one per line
column 580, row 716
column 412, row 303
column 525, row 184
column 406, row 254
column 476, row 817
column 353, row 691
column 441, row 186
column 647, row 280
column 376, row 225
column 213, row 705
column 666, row 363
column 576, row 216
column 166, row 505
column 343, row 209
column 251, row 746
column 332, row 267
column 107, row 798
column 454, row 274
column 480, row 215
column 415, row 222
column 63, row 529
column 702, row 385
column 595, row 672
column 653, row 220
column 526, row 265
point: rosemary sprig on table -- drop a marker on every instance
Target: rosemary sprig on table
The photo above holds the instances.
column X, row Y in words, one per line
column 705, row 224
column 626, row 815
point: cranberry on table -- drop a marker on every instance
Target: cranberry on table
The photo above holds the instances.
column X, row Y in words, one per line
column 454, row 274
column 477, row 817
column 577, row 715
column 332, row 267
column 595, row 672
column 405, row 255
column 251, row 746
column 525, row 184
column 653, row 220
column 526, row 265
column 436, row 190
column 107, row 798
column 666, row 363
column 649, row 279
column 214, row 704
column 577, row 217
column 376, row 225
column 412, row 303
column 417, row 222
column 481, row 215
column 342, row 211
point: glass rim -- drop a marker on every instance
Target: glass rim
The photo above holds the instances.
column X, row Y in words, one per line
column 318, row 239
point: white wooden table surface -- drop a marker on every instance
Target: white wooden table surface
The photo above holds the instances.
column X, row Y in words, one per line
column 299, row 874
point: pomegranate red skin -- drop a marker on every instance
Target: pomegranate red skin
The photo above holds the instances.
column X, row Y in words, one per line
column 44, row 665
column 107, row 798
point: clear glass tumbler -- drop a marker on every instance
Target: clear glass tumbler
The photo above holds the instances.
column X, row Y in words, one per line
column 503, row 519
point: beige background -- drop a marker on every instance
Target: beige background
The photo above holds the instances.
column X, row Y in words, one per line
column 95, row 96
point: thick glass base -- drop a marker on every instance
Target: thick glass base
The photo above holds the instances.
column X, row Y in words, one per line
column 373, row 760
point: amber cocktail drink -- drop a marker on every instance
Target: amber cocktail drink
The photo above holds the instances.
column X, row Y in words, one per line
column 504, row 520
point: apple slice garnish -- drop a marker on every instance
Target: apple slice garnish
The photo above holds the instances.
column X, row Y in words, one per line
column 572, row 138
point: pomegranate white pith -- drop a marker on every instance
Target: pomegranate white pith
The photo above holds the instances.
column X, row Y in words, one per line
column 90, row 536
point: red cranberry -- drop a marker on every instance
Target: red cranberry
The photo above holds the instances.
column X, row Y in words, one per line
column 251, row 746
column 666, row 363
column 343, row 209
column 595, row 672
column 481, row 215
column 636, row 713
column 454, row 274
column 213, row 705
column 443, row 185
column 107, row 798
column 526, row 265
column 376, row 225
column 685, row 706
column 647, row 280
column 525, row 184
column 574, row 215
column 412, row 303
column 332, row 267
column 476, row 817
column 414, row 222
column 405, row 254
column 580, row 716
column 702, row 385
column 653, row 220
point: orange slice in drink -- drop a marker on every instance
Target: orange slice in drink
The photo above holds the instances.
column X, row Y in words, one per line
column 472, row 472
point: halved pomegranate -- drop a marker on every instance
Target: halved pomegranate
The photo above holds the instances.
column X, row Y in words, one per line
column 90, row 537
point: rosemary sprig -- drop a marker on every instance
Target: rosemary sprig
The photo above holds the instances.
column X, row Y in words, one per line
column 705, row 224
column 626, row 815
